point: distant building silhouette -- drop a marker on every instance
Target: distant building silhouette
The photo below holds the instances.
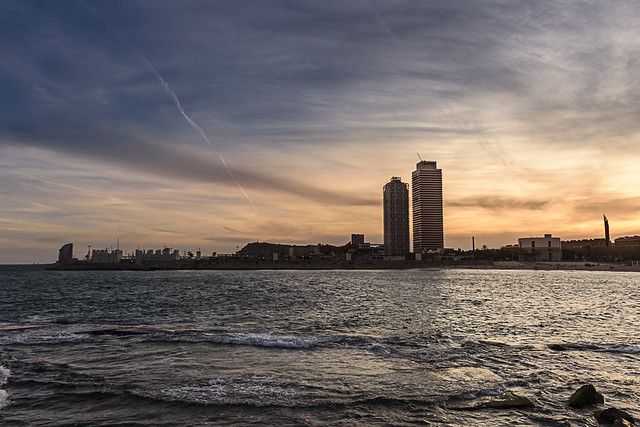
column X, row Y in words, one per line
column 66, row 253
column 584, row 244
column 159, row 255
column 428, row 222
column 267, row 250
column 103, row 256
column 396, row 217
column 537, row 249
column 627, row 242
column 357, row 240
column 590, row 243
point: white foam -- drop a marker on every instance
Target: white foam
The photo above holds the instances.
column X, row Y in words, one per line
column 37, row 319
column 626, row 349
column 257, row 390
column 203, row 394
column 266, row 339
column 4, row 375
column 4, row 399
column 4, row 396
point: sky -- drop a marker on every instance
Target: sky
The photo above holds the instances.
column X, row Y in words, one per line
column 212, row 124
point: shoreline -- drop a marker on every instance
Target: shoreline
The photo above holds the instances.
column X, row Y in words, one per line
column 342, row 265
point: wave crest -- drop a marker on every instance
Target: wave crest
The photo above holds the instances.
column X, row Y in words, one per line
column 4, row 396
column 43, row 338
column 604, row 348
column 267, row 339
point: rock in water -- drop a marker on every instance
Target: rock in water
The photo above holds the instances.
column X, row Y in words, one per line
column 621, row 422
column 506, row 400
column 584, row 396
column 557, row 347
column 613, row 415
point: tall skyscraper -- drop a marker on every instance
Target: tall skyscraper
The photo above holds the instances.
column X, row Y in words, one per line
column 428, row 223
column 396, row 217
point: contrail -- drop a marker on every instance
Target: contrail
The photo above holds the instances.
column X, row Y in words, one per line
column 175, row 99
column 379, row 20
column 196, row 127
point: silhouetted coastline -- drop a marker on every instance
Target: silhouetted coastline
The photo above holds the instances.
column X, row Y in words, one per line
column 261, row 264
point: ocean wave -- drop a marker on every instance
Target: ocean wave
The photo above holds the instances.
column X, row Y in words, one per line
column 258, row 339
column 37, row 319
column 626, row 349
column 189, row 396
column 177, row 397
column 215, row 395
column 267, row 339
column 471, row 343
column 257, row 391
column 604, row 348
column 4, row 396
column 43, row 338
column 117, row 332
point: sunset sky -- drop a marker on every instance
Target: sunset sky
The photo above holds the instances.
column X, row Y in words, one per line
column 212, row 124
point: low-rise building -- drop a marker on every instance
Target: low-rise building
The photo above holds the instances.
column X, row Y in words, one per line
column 539, row 249
column 103, row 256
column 159, row 255
column 584, row 243
column 627, row 241
column 509, row 247
column 357, row 239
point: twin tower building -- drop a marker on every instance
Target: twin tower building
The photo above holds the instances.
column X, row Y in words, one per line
column 428, row 224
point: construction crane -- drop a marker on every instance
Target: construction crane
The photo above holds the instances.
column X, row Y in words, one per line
column 419, row 156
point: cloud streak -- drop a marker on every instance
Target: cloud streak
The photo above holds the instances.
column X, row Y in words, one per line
column 494, row 203
column 162, row 160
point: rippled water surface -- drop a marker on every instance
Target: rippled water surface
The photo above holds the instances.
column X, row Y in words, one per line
column 313, row 347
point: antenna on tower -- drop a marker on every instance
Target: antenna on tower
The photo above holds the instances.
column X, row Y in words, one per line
column 419, row 156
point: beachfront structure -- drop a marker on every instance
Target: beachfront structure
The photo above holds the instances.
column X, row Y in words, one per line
column 428, row 220
column 539, row 249
column 627, row 241
column 395, row 203
column 584, row 244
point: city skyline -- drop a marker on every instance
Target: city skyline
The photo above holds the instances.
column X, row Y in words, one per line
column 213, row 124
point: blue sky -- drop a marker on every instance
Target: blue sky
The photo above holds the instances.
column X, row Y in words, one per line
column 212, row 124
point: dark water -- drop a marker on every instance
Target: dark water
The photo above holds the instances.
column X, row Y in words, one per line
column 312, row 347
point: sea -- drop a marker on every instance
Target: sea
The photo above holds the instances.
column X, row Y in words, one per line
column 313, row 348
